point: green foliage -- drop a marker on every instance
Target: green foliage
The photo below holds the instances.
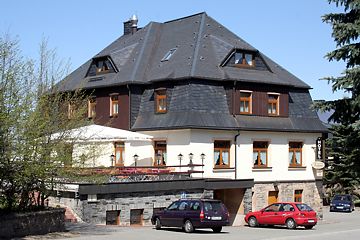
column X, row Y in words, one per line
column 343, row 174
column 32, row 112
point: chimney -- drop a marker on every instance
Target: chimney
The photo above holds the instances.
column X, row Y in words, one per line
column 130, row 26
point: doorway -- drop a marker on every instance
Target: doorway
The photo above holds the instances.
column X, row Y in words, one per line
column 273, row 197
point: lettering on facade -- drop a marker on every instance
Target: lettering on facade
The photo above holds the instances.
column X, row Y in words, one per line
column 319, row 148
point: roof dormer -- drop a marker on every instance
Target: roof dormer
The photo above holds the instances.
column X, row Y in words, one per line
column 101, row 65
column 241, row 58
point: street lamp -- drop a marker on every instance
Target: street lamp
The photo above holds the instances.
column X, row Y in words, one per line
column 191, row 158
column 112, row 159
column 180, row 159
column 136, row 157
column 158, row 158
column 202, row 156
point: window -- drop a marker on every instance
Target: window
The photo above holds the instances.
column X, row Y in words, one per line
column 160, row 153
column 260, row 154
column 245, row 102
column 273, row 208
column 114, row 105
column 100, row 66
column 71, row 110
column 161, row 101
column 298, row 195
column 119, row 154
column 168, row 55
column 243, row 59
column 221, row 154
column 92, row 107
column 273, row 104
column 295, row 154
column 273, row 197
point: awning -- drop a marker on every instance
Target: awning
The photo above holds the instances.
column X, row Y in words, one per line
column 98, row 133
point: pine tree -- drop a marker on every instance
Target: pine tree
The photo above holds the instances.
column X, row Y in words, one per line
column 343, row 172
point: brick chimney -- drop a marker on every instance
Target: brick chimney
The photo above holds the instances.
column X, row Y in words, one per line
column 130, row 26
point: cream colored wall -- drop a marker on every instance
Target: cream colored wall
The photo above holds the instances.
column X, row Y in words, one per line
column 278, row 155
column 202, row 141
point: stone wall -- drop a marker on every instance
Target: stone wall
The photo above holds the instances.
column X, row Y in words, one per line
column 95, row 211
column 311, row 194
column 32, row 223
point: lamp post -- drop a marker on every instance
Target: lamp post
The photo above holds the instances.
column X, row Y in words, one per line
column 136, row 157
column 191, row 158
column 112, row 160
column 202, row 156
column 158, row 159
column 180, row 159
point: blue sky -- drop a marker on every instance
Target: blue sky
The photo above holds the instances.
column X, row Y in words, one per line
column 289, row 32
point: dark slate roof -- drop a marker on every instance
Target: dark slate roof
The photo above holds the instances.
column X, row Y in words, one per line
column 202, row 45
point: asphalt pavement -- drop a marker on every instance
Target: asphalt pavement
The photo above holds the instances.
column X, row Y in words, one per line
column 333, row 226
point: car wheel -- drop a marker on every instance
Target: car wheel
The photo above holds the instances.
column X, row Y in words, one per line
column 188, row 227
column 157, row 224
column 253, row 222
column 290, row 223
column 216, row 229
column 309, row 227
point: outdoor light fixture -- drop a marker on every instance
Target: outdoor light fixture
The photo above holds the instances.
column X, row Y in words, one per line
column 180, row 159
column 158, row 158
column 202, row 156
column 191, row 158
column 112, row 160
column 136, row 157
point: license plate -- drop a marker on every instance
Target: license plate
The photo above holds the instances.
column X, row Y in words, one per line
column 215, row 218
column 340, row 207
column 311, row 221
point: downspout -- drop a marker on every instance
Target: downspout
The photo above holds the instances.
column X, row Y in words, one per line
column 128, row 87
column 235, row 140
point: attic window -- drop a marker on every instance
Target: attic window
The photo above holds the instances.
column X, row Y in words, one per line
column 168, row 55
column 101, row 65
column 241, row 58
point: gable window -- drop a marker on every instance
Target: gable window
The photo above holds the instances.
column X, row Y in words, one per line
column 92, row 107
column 160, row 96
column 114, row 105
column 160, row 153
column 260, row 155
column 295, row 154
column 273, row 104
column 245, row 102
column 100, row 66
column 244, row 59
column 298, row 195
column 119, row 153
column 221, row 154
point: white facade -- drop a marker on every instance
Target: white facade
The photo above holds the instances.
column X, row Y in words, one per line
column 202, row 141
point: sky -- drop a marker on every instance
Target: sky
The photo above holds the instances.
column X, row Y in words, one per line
column 289, row 32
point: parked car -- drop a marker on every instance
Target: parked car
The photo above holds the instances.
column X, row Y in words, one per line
column 290, row 214
column 343, row 203
column 190, row 214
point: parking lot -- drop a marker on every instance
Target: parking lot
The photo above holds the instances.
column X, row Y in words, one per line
column 333, row 226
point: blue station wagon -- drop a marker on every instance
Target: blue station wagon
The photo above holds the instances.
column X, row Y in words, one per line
column 190, row 214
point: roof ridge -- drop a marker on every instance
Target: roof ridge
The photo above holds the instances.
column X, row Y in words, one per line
column 197, row 47
column 193, row 15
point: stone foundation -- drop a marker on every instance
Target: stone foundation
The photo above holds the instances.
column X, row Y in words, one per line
column 311, row 194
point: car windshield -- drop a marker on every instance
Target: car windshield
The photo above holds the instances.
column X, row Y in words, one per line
column 212, row 206
column 341, row 198
column 303, row 207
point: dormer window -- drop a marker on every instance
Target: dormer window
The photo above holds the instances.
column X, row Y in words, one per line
column 160, row 96
column 273, row 104
column 101, row 65
column 243, row 59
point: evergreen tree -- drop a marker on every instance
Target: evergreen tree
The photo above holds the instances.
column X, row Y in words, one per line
column 343, row 172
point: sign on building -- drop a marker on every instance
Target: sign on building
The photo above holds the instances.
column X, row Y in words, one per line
column 319, row 148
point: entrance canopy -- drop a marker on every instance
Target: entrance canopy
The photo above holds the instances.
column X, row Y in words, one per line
column 98, row 133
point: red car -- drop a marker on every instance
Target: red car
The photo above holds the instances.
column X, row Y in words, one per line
column 290, row 214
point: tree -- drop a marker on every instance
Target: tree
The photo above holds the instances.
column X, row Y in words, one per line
column 31, row 112
column 343, row 174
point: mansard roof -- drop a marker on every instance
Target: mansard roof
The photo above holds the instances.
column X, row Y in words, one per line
column 202, row 45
